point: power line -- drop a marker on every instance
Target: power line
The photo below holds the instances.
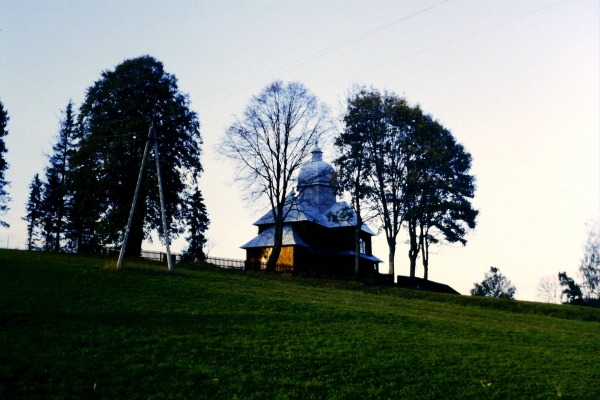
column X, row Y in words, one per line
column 446, row 42
column 315, row 56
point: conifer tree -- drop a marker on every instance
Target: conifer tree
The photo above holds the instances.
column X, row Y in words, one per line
column 35, row 213
column 197, row 222
column 56, row 197
column 3, row 164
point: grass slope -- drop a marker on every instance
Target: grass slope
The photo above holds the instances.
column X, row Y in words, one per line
column 72, row 328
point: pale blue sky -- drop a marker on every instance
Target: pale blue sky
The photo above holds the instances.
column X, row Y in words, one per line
column 517, row 82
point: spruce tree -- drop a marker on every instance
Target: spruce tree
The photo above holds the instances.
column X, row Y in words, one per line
column 35, row 213
column 197, row 222
column 3, row 164
column 56, row 194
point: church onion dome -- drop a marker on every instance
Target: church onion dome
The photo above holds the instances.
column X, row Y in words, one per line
column 317, row 171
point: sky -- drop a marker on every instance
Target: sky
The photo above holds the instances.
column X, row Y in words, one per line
column 517, row 83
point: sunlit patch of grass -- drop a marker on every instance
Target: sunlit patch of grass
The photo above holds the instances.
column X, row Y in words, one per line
column 74, row 327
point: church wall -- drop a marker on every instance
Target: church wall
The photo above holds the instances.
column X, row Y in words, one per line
column 261, row 255
column 330, row 239
column 325, row 239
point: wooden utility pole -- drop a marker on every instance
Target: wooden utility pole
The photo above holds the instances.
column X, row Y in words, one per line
column 151, row 136
column 162, row 200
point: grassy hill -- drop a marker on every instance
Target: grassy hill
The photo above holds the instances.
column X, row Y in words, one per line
column 73, row 327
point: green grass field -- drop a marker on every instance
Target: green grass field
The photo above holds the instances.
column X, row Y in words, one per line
column 73, row 327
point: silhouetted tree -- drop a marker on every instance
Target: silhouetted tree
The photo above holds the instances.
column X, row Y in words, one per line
column 494, row 285
column 571, row 290
column 113, row 122
column 197, row 222
column 3, row 164
column 56, row 200
column 383, row 125
column 439, row 187
column 51, row 196
column 271, row 142
column 363, row 119
column 35, row 213
column 409, row 169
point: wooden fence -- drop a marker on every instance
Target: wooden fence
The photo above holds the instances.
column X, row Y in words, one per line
column 159, row 256
column 227, row 263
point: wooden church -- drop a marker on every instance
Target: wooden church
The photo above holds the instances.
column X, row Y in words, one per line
column 318, row 231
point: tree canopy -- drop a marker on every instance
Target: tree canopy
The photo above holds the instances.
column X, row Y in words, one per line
column 362, row 121
column 438, row 190
column 571, row 292
column 494, row 285
column 112, row 128
column 407, row 168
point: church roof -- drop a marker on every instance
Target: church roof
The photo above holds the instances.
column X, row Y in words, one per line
column 340, row 214
column 316, row 171
column 352, row 253
column 267, row 238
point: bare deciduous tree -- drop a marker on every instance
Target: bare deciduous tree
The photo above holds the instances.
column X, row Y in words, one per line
column 589, row 268
column 547, row 290
column 269, row 144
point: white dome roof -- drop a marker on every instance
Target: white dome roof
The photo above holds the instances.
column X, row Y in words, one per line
column 317, row 171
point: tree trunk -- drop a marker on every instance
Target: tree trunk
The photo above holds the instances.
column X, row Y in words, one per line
column 413, row 263
column 61, row 209
column 392, row 255
column 424, row 254
column 357, row 230
column 277, row 242
column 136, row 235
column 413, row 252
column 30, row 232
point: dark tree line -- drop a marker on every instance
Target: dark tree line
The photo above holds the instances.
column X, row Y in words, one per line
column 83, row 202
column 409, row 170
column 3, row 164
